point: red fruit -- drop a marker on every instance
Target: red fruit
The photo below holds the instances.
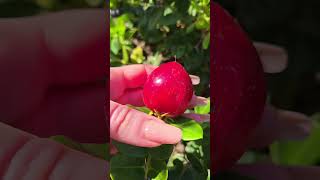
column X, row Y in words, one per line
column 168, row 89
column 238, row 90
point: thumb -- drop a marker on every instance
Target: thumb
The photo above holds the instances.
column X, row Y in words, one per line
column 137, row 128
column 24, row 156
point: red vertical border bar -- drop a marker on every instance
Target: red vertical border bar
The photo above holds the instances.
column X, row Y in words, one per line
column 107, row 77
column 107, row 69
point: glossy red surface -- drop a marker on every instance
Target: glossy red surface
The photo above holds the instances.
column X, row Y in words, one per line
column 168, row 89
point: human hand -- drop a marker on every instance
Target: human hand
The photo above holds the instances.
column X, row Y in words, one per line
column 51, row 71
column 277, row 124
column 131, row 126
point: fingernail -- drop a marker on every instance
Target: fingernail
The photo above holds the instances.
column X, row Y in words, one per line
column 195, row 79
column 161, row 132
column 201, row 101
column 274, row 58
column 297, row 126
column 197, row 117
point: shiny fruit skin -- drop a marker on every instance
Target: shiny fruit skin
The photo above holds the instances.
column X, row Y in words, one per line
column 238, row 90
column 168, row 89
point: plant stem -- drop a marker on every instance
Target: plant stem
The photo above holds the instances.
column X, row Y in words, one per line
column 146, row 167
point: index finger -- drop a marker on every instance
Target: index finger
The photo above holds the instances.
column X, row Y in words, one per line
column 128, row 77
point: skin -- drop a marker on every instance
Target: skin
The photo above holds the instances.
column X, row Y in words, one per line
column 47, row 78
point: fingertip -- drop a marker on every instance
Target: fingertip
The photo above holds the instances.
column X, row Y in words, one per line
column 198, row 101
column 149, row 68
column 274, row 58
column 162, row 133
column 195, row 79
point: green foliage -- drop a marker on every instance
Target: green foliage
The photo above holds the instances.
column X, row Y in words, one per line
column 140, row 162
column 305, row 152
column 98, row 150
column 191, row 130
column 122, row 167
column 166, row 162
column 154, row 31
column 203, row 109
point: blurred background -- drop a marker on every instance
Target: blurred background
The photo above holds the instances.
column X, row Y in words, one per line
column 295, row 26
column 17, row 8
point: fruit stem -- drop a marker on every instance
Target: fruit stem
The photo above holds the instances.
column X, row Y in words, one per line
column 158, row 115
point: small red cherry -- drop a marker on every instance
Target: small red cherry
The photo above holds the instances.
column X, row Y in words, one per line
column 168, row 89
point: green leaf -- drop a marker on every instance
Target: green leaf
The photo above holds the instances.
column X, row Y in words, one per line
column 191, row 130
column 251, row 157
column 306, row 152
column 206, row 143
column 97, row 150
column 157, row 168
column 180, row 51
column 125, row 55
column 155, row 59
column 122, row 167
column 46, row 4
column 167, row 11
column 206, row 41
column 203, row 109
column 68, row 142
column 130, row 150
column 190, row 28
column 198, row 165
column 115, row 46
column 142, row 109
column 163, row 175
column 176, row 171
column 202, row 22
column 94, row 3
column 137, row 55
column 190, row 174
column 176, row 157
column 162, row 152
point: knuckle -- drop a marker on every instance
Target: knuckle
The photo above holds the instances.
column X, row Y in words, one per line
column 120, row 117
column 35, row 159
